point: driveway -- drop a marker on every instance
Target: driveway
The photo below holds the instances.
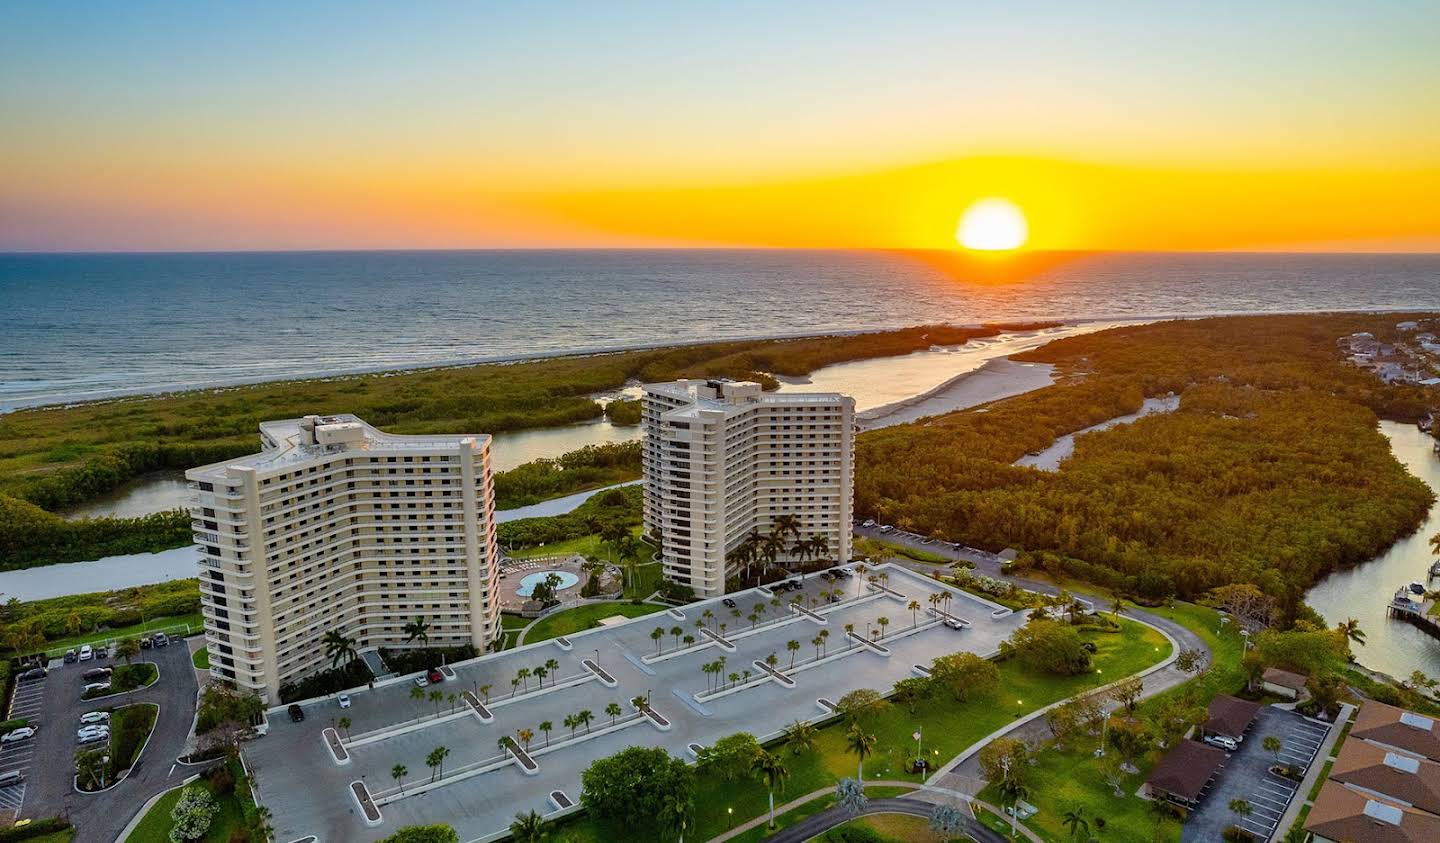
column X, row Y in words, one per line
column 100, row 817
column 1246, row 775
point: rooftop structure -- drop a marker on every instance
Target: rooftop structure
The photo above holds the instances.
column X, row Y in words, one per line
column 1230, row 716
column 1395, row 727
column 1382, row 787
column 1181, row 776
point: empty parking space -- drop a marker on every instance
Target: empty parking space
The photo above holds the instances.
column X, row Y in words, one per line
column 28, row 703
column 1246, row 776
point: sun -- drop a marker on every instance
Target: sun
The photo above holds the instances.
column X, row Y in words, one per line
column 992, row 225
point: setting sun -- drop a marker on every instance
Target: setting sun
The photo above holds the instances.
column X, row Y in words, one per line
column 992, row 225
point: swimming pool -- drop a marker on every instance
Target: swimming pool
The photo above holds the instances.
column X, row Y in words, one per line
column 529, row 581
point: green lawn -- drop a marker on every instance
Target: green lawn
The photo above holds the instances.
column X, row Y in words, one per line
column 1060, row 781
column 879, row 549
column 128, row 677
column 894, row 828
column 814, row 806
column 949, row 728
column 228, row 821
column 177, row 622
column 201, row 658
column 582, row 618
column 130, row 728
column 646, row 577
column 54, row 837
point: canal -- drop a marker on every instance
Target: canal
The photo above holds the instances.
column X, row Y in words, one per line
column 1362, row 592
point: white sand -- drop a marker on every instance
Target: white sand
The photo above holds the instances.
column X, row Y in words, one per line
column 997, row 379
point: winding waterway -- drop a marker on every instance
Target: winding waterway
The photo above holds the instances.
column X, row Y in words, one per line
column 1362, row 592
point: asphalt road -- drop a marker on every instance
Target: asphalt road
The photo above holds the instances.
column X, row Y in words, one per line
column 100, row 817
column 832, row 817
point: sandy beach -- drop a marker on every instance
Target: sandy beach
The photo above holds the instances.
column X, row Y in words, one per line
column 999, row 378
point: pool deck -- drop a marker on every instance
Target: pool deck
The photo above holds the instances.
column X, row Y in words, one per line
column 484, row 787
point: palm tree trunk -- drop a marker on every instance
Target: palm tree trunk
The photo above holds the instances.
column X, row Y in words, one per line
column 772, row 809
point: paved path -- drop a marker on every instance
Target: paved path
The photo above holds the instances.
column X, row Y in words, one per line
column 100, row 817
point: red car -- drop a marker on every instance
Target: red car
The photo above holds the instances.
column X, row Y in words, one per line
column 435, row 676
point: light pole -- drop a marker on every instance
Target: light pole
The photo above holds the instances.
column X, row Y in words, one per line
column 597, row 658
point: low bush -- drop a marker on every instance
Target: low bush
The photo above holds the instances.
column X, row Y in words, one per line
column 856, row 834
column 414, row 660
column 11, row 725
column 37, row 828
column 326, row 682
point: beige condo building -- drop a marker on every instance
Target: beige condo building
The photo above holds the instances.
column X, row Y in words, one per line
column 335, row 525
column 723, row 458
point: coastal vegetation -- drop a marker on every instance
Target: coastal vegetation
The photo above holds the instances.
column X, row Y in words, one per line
column 58, row 457
column 1271, row 472
column 588, row 468
column 77, row 619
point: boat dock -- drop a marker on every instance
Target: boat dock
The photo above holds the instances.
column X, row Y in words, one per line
column 1405, row 607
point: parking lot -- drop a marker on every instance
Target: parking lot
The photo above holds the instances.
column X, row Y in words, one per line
column 28, row 702
column 1246, row 775
column 308, row 791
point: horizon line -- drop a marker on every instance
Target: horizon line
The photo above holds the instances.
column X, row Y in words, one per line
column 513, row 249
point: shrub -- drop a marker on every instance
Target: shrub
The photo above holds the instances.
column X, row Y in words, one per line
column 38, row 828
column 414, row 660
column 326, row 682
column 192, row 814
column 856, row 834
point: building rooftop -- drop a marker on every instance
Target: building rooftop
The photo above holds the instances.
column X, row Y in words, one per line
column 1396, row 727
column 297, row 440
column 1285, row 678
column 1230, row 716
column 724, row 395
column 1186, row 769
column 1408, row 778
column 1341, row 812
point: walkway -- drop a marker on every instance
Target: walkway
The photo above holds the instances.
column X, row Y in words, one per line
column 920, row 803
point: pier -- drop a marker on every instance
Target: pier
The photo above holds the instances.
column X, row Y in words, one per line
column 1405, row 607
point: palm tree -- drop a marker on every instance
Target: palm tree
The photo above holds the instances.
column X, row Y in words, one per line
column 572, row 723
column 861, row 743
column 799, row 737
column 452, row 699
column 1012, row 793
column 614, row 710
column 583, row 717
column 339, row 647
column 523, row 674
column 398, row 773
column 688, row 640
column 418, row 629
column 437, row 696
column 525, row 736
column 706, row 616
column 540, row 674
column 417, row 694
column 1351, row 631
column 675, row 633
column 485, row 692
column 817, row 641
column 677, row 813
column 824, row 640
column 658, row 635
column 528, row 828
column 343, row 724
column 554, row 668
column 1074, row 819
column 914, row 606
column 128, row 648
column 819, row 545
column 1272, row 745
column 733, row 677
column 772, row 660
column 545, row 726
column 436, row 761
column 786, row 525
column 794, row 647
column 514, row 687
column 772, row 773
column 884, row 622
column 753, row 618
column 849, row 631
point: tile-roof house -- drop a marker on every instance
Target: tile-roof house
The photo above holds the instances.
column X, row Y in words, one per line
column 1230, row 716
column 1283, row 682
column 1408, row 778
column 1344, row 815
column 1396, row 727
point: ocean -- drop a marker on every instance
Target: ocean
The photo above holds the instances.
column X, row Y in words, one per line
column 86, row 326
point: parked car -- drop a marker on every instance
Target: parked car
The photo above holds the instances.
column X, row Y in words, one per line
column 344, row 700
column 729, row 604
column 86, row 653
column 422, row 680
column 35, row 673
column 145, row 642
column 887, row 529
column 869, row 522
column 95, row 717
column 102, row 652
column 10, row 778
column 95, row 674
column 71, row 656
column 87, row 731
column 93, row 737
column 297, row 713
column 1227, row 744
column 954, row 623
column 161, row 640
column 96, row 686
column 20, row 734
column 435, row 676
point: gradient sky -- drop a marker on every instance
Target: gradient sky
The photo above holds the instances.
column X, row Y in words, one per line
column 1114, row 125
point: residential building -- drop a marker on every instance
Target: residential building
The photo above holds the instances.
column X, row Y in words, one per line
column 337, row 526
column 1184, row 773
column 1283, row 683
column 723, row 459
column 1229, row 717
column 1384, row 786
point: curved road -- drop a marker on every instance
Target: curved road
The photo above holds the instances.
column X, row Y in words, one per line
column 830, row 817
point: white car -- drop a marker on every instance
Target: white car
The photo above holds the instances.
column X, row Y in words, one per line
column 421, row 681
column 86, row 653
column 95, row 717
column 96, row 686
column 954, row 623
column 344, row 700
column 869, row 522
column 93, row 731
column 20, row 734
column 93, row 737
column 1227, row 744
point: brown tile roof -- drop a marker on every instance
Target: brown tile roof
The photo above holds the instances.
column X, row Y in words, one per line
column 1186, row 769
column 1406, row 777
column 1397, row 727
column 1341, row 813
column 1285, row 678
column 1230, row 716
